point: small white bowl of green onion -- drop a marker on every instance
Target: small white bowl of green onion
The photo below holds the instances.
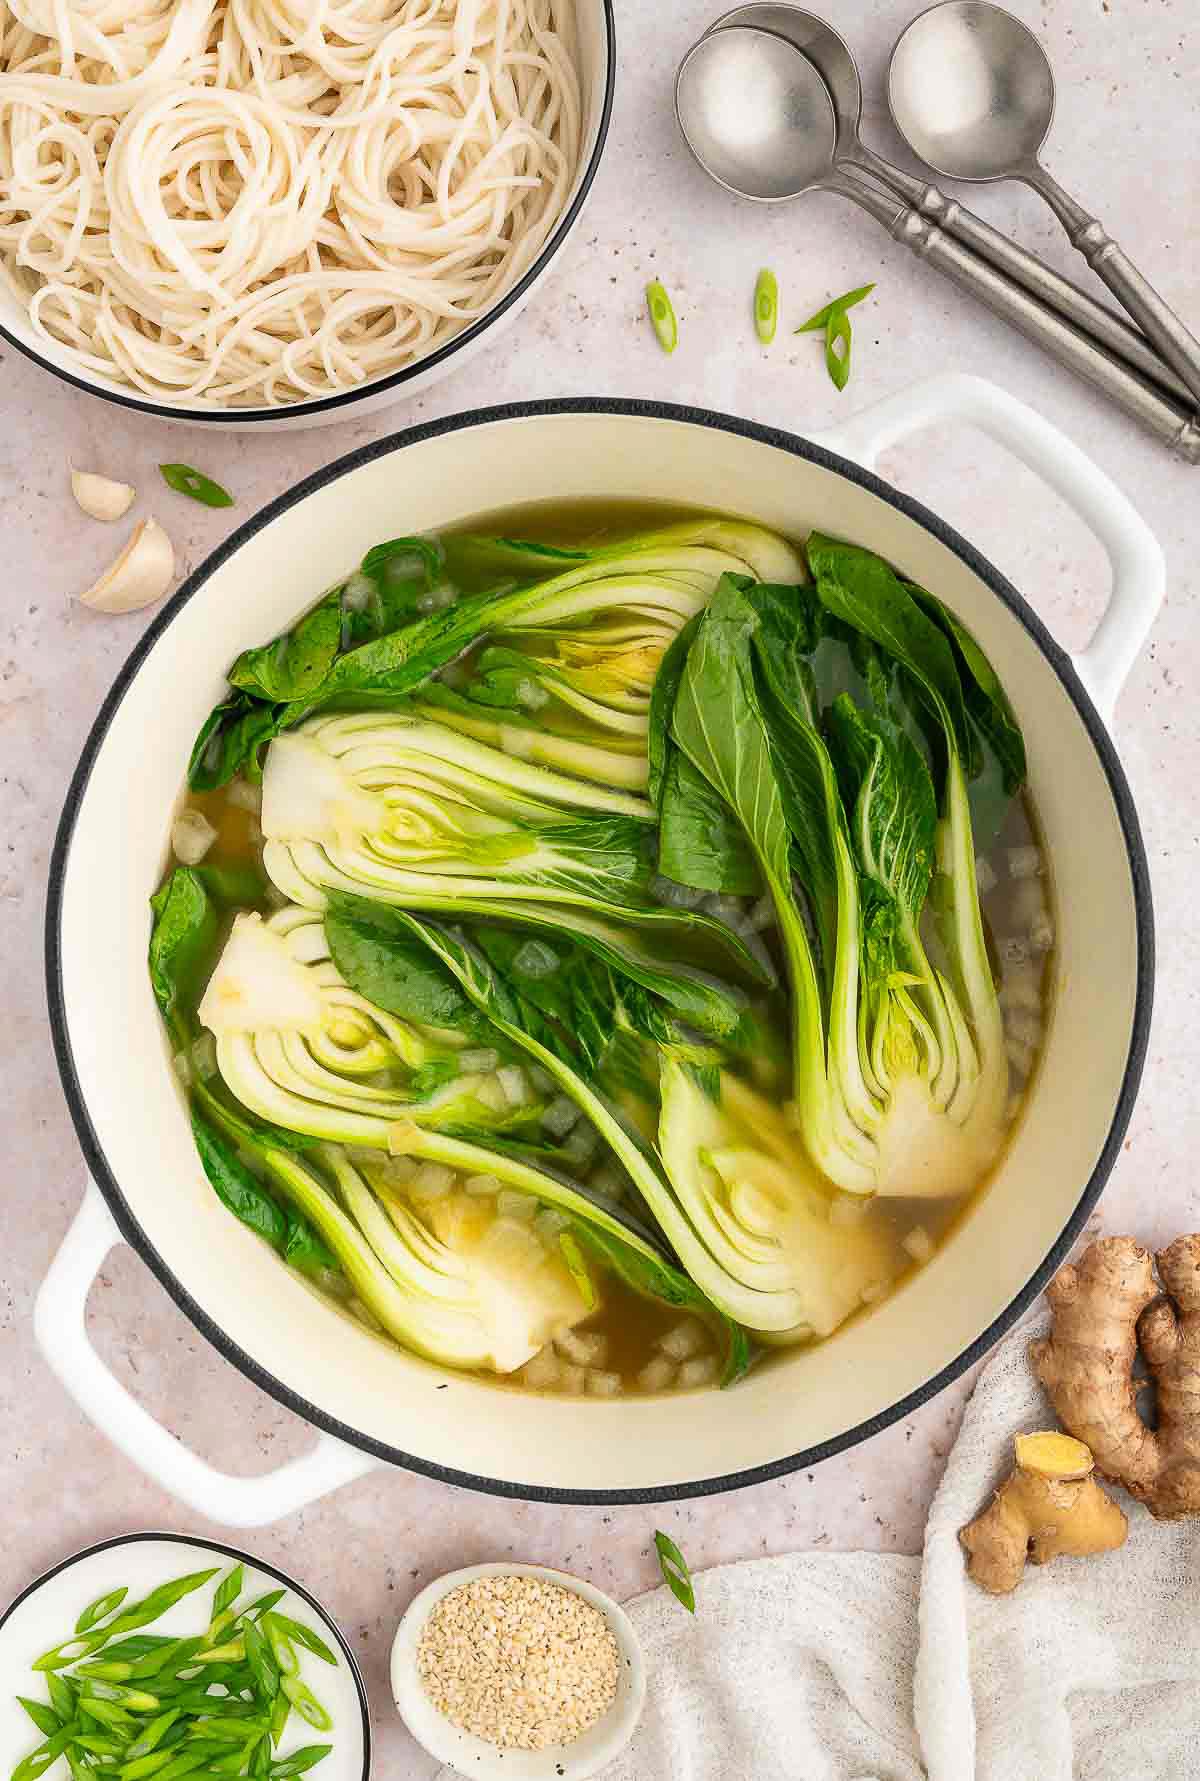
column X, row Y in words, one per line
column 170, row 1657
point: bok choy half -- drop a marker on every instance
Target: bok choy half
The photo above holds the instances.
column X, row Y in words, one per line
column 900, row 1071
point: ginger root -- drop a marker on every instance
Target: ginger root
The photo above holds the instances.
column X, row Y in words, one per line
column 1105, row 1307
column 1050, row 1505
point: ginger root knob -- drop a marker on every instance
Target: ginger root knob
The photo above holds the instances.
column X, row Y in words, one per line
column 1105, row 1307
column 1049, row 1506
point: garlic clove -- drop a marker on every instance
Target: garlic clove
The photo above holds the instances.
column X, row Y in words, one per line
column 141, row 574
column 100, row 497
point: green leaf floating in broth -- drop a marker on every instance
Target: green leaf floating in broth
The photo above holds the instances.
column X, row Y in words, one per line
column 701, row 843
column 784, row 635
column 183, row 943
column 866, row 593
column 386, row 593
column 232, row 740
column 236, row 1186
column 295, row 665
column 391, row 967
column 304, row 1250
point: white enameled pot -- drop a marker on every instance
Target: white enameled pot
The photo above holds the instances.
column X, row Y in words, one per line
column 373, row 1403
column 597, row 63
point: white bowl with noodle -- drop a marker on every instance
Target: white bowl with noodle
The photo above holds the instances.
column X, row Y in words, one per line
column 252, row 216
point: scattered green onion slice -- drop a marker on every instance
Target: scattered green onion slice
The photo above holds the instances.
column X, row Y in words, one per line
column 838, row 333
column 838, row 341
column 674, row 1568
column 823, row 316
column 186, row 481
column 766, row 306
column 662, row 314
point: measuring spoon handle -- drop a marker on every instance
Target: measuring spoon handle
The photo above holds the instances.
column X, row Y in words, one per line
column 1025, row 269
column 1174, row 425
column 1154, row 315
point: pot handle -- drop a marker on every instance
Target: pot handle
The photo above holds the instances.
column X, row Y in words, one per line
column 61, row 1330
column 1138, row 569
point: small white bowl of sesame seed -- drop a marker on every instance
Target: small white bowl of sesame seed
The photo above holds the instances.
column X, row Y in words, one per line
column 513, row 1672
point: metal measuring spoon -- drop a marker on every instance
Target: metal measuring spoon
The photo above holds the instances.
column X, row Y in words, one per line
column 759, row 119
column 972, row 94
column 834, row 61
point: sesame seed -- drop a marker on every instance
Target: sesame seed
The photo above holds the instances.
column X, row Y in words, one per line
column 522, row 1663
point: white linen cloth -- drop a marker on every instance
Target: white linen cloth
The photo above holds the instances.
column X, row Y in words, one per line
column 862, row 1667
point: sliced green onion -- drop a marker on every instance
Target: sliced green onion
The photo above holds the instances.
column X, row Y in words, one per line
column 284, row 1651
column 838, row 333
column 228, row 1591
column 44, row 1717
column 306, row 1704
column 304, row 1635
column 824, row 316
column 63, row 1695
column 186, row 481
column 263, row 1604
column 99, row 1609
column 838, row 341
column 299, row 1762
column 674, row 1568
column 662, row 314
column 766, row 306
column 279, row 1718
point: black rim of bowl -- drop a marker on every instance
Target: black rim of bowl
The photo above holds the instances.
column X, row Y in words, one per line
column 1004, row 591
column 318, row 406
column 239, row 1557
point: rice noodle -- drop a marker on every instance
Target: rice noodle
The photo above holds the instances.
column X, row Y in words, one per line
column 233, row 203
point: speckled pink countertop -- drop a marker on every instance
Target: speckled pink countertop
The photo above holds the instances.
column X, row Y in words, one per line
column 1128, row 139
